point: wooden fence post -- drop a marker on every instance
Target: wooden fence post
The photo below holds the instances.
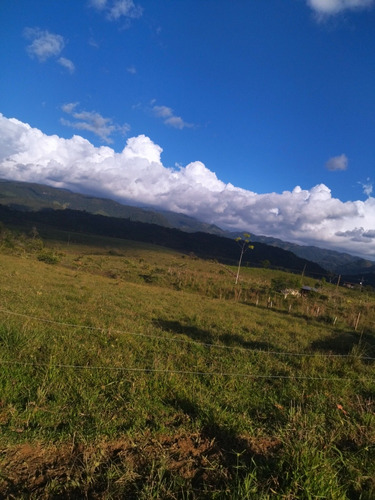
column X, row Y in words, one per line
column 357, row 321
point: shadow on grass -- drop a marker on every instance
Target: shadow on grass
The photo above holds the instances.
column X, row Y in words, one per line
column 344, row 342
column 204, row 336
column 233, row 340
column 191, row 331
column 233, row 453
column 185, row 405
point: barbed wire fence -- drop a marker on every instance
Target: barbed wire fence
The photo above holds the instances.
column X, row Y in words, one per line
column 232, row 374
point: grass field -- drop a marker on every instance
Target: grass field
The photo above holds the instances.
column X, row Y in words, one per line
column 132, row 371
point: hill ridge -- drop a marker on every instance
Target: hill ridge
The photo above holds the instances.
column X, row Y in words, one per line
column 27, row 196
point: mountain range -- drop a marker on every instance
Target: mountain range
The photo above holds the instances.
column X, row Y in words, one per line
column 31, row 197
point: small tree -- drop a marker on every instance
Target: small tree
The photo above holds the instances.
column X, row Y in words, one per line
column 243, row 243
column 34, row 232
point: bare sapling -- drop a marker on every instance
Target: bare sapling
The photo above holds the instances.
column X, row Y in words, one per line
column 243, row 242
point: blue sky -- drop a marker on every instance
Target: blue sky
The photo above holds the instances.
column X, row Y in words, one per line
column 255, row 115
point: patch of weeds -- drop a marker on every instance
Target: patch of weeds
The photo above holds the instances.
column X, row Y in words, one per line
column 11, row 338
column 49, row 256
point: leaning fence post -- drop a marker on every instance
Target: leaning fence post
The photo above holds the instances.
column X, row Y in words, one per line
column 357, row 321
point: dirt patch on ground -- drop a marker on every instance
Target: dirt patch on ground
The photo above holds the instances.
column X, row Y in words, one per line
column 85, row 471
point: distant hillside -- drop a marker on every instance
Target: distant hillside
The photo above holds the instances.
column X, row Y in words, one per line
column 201, row 244
column 337, row 262
column 28, row 196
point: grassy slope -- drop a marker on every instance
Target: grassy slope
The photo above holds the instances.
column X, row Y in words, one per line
column 131, row 371
column 76, row 223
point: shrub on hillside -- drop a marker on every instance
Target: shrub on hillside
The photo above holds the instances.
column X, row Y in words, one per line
column 281, row 283
column 49, row 256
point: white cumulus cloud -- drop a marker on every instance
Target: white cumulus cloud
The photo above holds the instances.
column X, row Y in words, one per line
column 169, row 118
column 367, row 187
column 43, row 43
column 337, row 163
column 66, row 63
column 115, row 9
column 136, row 175
column 93, row 122
column 332, row 7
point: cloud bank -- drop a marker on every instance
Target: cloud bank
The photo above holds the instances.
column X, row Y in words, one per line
column 136, row 175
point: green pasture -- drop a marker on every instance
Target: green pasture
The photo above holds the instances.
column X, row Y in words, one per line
column 132, row 371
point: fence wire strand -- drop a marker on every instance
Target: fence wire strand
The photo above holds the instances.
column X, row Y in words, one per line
column 186, row 341
column 181, row 372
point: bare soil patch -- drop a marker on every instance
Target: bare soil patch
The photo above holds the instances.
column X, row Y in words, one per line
column 84, row 471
